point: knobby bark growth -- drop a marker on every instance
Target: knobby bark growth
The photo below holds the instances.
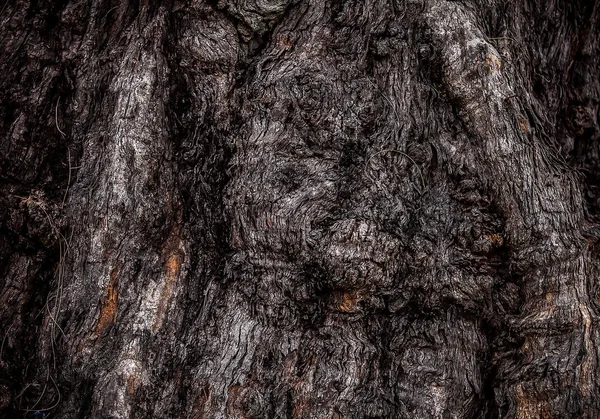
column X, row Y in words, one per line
column 300, row 209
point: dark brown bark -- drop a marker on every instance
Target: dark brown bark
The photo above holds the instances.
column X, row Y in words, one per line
column 310, row 209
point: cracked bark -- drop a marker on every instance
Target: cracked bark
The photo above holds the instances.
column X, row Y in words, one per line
column 299, row 209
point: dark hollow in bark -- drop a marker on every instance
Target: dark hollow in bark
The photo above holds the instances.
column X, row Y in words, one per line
column 299, row 209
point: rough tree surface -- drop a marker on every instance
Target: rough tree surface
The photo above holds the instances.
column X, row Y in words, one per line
column 300, row 209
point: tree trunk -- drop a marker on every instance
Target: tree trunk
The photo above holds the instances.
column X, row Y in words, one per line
column 300, row 209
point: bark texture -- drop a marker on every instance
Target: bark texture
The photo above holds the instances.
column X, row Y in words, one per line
column 300, row 209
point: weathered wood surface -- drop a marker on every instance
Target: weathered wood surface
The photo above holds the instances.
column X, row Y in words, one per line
column 299, row 209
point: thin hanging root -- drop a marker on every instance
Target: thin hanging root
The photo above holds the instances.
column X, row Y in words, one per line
column 508, row 38
column 4, row 339
column 54, row 321
column 45, row 409
column 59, row 273
column 68, row 180
column 56, row 118
column 41, row 395
column 53, row 314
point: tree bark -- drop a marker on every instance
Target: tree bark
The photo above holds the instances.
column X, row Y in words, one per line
column 300, row 209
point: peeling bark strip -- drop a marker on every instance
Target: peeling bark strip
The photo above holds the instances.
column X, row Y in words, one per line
column 310, row 209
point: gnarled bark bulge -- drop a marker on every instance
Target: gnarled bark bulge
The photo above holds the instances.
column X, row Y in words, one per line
column 300, row 209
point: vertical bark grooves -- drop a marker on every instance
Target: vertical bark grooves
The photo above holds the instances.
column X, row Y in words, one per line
column 249, row 209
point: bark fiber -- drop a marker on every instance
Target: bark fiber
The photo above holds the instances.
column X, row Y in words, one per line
column 300, row 209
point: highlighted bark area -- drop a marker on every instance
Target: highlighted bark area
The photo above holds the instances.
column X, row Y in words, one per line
column 554, row 268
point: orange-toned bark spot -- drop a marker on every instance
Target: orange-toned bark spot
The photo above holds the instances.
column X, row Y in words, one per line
column 173, row 259
column 348, row 301
column 172, row 268
column 493, row 63
column 530, row 408
column 301, row 408
column 200, row 402
column 236, row 240
column 110, row 303
column 523, row 124
column 496, row 239
column 131, row 384
column 550, row 298
column 285, row 43
column 234, row 402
